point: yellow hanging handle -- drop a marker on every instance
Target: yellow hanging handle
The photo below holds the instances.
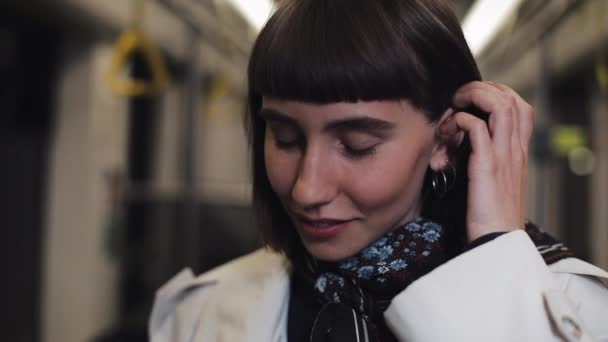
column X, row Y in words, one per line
column 131, row 41
column 601, row 73
column 220, row 87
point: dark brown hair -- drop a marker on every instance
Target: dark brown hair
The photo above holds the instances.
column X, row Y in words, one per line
column 324, row 51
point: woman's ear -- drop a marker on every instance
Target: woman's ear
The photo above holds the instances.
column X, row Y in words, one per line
column 447, row 138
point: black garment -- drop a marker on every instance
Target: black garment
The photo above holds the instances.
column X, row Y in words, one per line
column 303, row 309
column 333, row 320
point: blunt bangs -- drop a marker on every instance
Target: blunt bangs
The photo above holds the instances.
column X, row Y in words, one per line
column 336, row 50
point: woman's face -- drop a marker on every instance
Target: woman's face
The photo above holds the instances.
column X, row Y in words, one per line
column 347, row 173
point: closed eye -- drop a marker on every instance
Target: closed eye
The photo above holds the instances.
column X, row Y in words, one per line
column 286, row 145
column 358, row 144
column 285, row 136
column 360, row 152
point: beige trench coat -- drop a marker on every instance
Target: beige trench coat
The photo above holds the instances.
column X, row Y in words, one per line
column 500, row 291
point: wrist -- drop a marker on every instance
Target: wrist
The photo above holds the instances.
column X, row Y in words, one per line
column 474, row 233
column 482, row 240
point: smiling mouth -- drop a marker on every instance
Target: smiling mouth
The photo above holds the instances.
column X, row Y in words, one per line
column 322, row 223
column 324, row 228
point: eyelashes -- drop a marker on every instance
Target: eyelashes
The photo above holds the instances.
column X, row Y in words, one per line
column 360, row 152
column 286, row 145
column 349, row 150
column 353, row 145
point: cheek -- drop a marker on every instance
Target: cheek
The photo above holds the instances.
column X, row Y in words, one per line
column 393, row 180
column 279, row 168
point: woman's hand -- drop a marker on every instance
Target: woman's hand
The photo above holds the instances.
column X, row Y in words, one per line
column 498, row 162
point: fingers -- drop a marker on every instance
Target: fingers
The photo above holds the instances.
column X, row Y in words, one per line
column 497, row 104
column 495, row 98
column 511, row 119
column 525, row 115
column 474, row 126
column 525, row 123
column 516, row 147
column 501, row 146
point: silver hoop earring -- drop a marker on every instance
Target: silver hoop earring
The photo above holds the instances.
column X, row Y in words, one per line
column 443, row 180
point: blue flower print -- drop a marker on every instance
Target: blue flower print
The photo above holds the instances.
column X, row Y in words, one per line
column 398, row 264
column 413, row 226
column 383, row 269
column 426, row 253
column 328, row 279
column 385, row 252
column 381, row 242
column 335, row 279
column 336, row 298
column 412, row 244
column 396, row 244
column 370, row 252
column 320, row 284
column 349, row 263
column 365, row 272
column 381, row 280
column 416, row 236
column 431, row 235
column 400, row 237
column 432, row 226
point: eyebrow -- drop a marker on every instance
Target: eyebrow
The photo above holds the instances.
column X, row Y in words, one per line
column 360, row 123
column 269, row 114
column 356, row 123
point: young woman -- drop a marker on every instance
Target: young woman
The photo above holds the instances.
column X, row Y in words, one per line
column 389, row 184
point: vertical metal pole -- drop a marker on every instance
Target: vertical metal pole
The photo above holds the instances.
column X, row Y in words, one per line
column 599, row 178
column 543, row 123
column 188, row 152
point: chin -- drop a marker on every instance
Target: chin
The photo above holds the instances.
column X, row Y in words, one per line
column 328, row 252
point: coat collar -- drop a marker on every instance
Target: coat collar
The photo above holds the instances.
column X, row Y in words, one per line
column 577, row 266
column 244, row 300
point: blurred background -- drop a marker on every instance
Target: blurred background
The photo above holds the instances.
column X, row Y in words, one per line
column 124, row 159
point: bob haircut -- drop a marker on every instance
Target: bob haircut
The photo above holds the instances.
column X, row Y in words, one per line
column 324, row 51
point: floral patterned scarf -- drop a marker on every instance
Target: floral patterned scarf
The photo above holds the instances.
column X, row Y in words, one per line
column 356, row 291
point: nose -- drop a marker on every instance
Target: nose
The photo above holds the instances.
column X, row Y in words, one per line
column 315, row 184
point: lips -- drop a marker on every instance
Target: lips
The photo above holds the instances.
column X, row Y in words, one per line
column 322, row 228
